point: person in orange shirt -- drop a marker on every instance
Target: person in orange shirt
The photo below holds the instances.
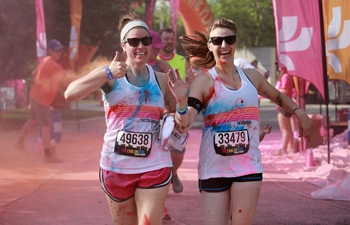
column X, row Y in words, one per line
column 49, row 79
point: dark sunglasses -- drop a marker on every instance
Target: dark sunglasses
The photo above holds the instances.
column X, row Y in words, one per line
column 230, row 40
column 134, row 42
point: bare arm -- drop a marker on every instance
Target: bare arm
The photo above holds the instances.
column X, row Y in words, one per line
column 181, row 92
column 169, row 99
column 87, row 84
column 267, row 90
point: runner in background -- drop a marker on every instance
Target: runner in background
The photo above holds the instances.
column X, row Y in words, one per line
column 176, row 61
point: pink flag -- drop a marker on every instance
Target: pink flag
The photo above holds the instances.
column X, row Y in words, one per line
column 174, row 12
column 149, row 13
column 298, row 36
column 40, row 31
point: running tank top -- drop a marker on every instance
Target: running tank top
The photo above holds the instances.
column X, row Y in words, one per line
column 230, row 136
column 132, row 118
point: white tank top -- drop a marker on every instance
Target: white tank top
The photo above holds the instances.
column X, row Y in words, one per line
column 230, row 139
column 132, row 116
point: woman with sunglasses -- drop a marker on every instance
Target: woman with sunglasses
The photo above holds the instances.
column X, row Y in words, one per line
column 135, row 171
column 230, row 168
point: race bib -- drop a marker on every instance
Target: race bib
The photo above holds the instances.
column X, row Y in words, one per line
column 231, row 142
column 133, row 144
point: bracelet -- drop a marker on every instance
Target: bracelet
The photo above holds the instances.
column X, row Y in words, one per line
column 182, row 111
column 109, row 73
column 295, row 109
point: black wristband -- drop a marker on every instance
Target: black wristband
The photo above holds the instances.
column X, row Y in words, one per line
column 295, row 109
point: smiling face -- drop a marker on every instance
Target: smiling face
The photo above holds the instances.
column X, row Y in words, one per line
column 140, row 53
column 224, row 52
column 168, row 39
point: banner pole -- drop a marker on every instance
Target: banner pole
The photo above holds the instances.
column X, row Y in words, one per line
column 325, row 76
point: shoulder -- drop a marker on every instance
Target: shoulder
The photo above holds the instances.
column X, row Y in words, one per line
column 252, row 73
column 180, row 57
column 161, row 77
column 255, row 77
column 164, row 65
column 203, row 80
column 286, row 78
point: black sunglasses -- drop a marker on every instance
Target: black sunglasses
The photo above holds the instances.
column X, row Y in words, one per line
column 134, row 42
column 230, row 40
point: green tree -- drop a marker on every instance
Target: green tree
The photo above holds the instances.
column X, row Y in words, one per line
column 254, row 19
column 162, row 19
column 99, row 26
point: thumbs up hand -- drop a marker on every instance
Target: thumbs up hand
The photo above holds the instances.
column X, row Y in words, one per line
column 118, row 67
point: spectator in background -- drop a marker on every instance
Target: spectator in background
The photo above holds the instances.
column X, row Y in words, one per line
column 243, row 64
column 49, row 79
column 176, row 61
column 285, row 85
column 255, row 63
column 157, row 64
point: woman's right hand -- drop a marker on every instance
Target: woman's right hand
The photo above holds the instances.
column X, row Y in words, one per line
column 118, row 67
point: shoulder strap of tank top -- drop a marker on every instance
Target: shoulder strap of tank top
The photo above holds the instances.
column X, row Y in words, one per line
column 240, row 71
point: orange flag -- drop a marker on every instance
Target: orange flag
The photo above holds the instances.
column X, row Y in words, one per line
column 75, row 16
column 337, row 37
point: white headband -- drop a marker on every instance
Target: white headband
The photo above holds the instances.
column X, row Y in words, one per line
column 130, row 25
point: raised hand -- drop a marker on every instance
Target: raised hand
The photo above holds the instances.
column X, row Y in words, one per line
column 178, row 87
column 118, row 66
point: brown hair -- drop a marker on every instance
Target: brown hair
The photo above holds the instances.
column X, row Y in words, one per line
column 126, row 19
column 196, row 45
column 168, row 30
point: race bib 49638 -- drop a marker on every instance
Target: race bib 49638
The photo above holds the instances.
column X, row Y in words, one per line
column 133, row 144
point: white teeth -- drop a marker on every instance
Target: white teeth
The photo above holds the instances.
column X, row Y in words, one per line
column 141, row 53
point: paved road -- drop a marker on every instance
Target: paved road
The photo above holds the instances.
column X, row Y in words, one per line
column 34, row 193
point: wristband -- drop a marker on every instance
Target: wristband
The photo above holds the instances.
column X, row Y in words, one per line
column 182, row 111
column 295, row 109
column 109, row 73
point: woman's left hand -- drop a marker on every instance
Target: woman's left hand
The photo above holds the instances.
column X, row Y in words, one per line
column 178, row 87
column 306, row 125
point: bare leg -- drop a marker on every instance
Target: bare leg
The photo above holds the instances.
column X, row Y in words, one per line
column 46, row 136
column 216, row 207
column 177, row 158
column 287, row 132
column 123, row 212
column 150, row 205
column 244, row 197
column 27, row 127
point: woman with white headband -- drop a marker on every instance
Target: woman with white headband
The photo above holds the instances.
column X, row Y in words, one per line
column 135, row 171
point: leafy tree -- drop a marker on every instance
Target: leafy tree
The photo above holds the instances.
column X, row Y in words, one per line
column 18, row 30
column 254, row 19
